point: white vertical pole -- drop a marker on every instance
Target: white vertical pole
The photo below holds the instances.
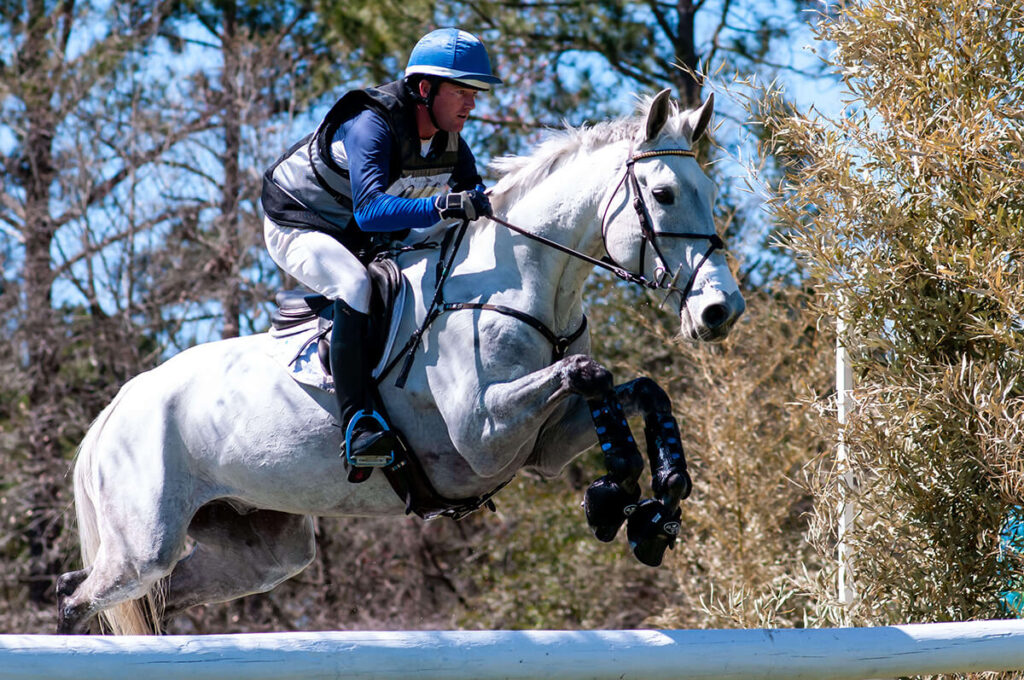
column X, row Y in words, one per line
column 844, row 387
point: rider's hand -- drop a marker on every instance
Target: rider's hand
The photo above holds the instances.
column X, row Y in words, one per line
column 463, row 205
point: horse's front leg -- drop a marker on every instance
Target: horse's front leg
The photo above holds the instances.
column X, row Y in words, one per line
column 609, row 501
column 654, row 524
column 612, row 498
column 504, row 417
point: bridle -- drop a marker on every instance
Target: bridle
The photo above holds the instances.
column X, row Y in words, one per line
column 648, row 233
column 560, row 344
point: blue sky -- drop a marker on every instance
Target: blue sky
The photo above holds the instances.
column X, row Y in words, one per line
column 161, row 66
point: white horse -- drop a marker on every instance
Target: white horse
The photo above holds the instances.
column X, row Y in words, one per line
column 200, row 479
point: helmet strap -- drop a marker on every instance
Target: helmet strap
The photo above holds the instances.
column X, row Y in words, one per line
column 434, row 87
column 427, row 101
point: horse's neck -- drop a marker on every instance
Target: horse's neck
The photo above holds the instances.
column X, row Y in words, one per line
column 564, row 208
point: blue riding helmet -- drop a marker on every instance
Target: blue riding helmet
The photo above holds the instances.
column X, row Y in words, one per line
column 453, row 55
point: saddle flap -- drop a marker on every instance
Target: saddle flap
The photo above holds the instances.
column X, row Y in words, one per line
column 386, row 285
column 297, row 307
column 299, row 311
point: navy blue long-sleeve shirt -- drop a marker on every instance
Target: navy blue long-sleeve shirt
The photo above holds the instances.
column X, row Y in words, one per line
column 368, row 145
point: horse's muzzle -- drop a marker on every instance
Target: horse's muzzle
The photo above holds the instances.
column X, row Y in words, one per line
column 710, row 317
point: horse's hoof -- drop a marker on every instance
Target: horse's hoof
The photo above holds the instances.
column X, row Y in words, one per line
column 607, row 505
column 69, row 619
column 68, row 583
column 69, row 616
column 587, row 378
column 652, row 529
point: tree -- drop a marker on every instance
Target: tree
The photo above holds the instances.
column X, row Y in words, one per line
column 262, row 67
column 132, row 142
column 69, row 124
column 908, row 210
column 102, row 239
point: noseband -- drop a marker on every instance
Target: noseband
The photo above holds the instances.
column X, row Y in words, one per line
column 648, row 233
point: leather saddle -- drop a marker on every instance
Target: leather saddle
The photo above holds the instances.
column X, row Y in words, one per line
column 297, row 308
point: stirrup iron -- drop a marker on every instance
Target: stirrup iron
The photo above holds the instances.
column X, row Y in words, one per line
column 367, row 460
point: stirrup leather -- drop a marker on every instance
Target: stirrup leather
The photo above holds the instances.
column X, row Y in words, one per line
column 366, row 460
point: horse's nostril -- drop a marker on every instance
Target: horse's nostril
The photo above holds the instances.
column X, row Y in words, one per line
column 714, row 316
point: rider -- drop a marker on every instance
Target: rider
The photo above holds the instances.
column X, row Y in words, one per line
column 383, row 161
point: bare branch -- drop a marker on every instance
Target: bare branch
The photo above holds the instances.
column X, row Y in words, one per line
column 11, row 230
column 716, row 35
column 514, row 123
column 661, row 17
column 93, row 248
column 101, row 190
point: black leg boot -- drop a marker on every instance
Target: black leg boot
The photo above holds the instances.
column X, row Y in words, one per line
column 369, row 442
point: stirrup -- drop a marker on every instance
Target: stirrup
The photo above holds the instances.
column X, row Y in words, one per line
column 366, row 460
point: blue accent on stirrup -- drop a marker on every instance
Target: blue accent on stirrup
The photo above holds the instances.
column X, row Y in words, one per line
column 371, row 460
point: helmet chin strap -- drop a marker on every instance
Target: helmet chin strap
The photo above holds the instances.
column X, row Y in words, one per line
column 430, row 110
column 428, row 101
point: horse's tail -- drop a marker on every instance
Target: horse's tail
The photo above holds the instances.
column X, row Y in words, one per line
column 134, row 617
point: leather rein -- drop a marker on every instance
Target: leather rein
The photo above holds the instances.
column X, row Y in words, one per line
column 649, row 234
column 560, row 344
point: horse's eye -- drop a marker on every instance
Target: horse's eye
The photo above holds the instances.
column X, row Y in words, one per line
column 664, row 195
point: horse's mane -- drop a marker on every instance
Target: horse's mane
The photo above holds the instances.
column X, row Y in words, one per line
column 522, row 172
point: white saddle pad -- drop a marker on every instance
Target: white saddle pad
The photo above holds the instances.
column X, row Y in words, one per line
column 296, row 348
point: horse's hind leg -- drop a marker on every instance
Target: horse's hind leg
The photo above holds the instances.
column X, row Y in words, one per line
column 121, row 572
column 67, row 621
column 238, row 554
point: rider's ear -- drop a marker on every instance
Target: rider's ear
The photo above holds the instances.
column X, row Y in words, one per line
column 424, row 87
column 698, row 119
column 658, row 114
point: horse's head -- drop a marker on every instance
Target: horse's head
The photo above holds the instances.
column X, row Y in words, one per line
column 659, row 223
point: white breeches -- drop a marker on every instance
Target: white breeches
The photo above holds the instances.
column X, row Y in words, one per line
column 320, row 263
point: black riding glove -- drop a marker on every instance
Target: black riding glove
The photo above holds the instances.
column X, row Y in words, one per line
column 463, row 205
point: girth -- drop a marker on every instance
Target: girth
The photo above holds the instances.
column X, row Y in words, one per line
column 409, row 481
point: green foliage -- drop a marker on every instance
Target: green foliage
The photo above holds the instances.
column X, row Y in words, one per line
column 908, row 210
column 373, row 38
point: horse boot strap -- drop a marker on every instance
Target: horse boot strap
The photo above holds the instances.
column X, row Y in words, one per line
column 651, row 529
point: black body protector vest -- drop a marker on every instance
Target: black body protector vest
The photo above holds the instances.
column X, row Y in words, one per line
column 308, row 188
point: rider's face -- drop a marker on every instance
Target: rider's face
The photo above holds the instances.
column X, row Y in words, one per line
column 452, row 106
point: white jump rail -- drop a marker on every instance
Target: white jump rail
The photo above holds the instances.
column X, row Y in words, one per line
column 821, row 654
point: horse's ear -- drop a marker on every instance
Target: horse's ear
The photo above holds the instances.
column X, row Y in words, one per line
column 658, row 114
column 698, row 119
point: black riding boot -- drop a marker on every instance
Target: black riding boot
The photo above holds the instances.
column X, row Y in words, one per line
column 369, row 442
